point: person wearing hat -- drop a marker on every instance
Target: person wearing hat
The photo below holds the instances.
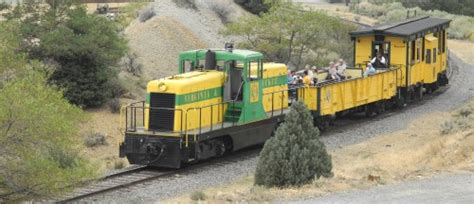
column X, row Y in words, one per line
column 379, row 61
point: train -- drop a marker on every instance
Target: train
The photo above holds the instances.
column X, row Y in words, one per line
column 223, row 100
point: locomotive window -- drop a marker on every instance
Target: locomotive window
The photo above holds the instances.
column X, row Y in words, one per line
column 188, row 65
column 413, row 51
column 201, row 64
column 255, row 71
column 428, row 56
column 220, row 65
column 434, row 55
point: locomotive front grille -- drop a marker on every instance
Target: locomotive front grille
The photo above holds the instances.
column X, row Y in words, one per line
column 161, row 119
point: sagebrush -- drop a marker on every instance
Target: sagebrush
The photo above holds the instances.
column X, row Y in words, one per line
column 146, row 14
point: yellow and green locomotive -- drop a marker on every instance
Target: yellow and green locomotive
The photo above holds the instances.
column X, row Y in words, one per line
column 221, row 101
column 224, row 100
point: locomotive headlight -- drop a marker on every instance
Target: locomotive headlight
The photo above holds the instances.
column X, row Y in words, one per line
column 162, row 86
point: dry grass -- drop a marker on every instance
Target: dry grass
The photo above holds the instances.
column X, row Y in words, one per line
column 463, row 49
column 419, row 151
column 106, row 123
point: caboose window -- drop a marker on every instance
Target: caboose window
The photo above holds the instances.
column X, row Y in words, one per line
column 428, row 56
column 413, row 51
column 444, row 41
column 434, row 55
column 418, row 49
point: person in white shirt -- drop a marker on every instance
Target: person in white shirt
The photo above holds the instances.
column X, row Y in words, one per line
column 341, row 68
column 379, row 61
column 332, row 73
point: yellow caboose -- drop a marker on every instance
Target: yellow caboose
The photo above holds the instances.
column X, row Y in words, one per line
column 417, row 46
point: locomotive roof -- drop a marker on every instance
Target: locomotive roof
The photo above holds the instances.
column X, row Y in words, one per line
column 407, row 28
column 236, row 54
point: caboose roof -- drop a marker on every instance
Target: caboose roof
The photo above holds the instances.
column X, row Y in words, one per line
column 408, row 28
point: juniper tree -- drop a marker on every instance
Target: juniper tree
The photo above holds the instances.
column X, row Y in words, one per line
column 295, row 155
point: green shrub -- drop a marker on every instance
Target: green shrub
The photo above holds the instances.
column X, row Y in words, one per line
column 198, row 195
column 461, row 120
column 447, row 127
column 253, row 6
column 4, row 6
column 40, row 151
column 116, row 88
column 295, row 156
column 146, row 14
column 114, row 105
column 86, row 48
column 94, row 139
column 119, row 164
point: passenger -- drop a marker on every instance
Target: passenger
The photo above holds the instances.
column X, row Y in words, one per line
column 379, row 61
column 341, row 69
column 369, row 70
column 315, row 72
column 332, row 73
column 310, row 72
column 290, row 77
column 307, row 81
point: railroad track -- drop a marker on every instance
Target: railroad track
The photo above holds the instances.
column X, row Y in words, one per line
column 141, row 174
column 123, row 179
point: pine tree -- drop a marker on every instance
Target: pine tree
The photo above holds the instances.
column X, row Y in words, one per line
column 295, row 156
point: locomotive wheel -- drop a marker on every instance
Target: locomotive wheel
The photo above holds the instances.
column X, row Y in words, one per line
column 220, row 148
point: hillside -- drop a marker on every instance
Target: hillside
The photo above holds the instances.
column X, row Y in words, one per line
column 159, row 40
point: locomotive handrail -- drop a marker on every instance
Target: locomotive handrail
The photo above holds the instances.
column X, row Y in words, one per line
column 238, row 92
column 296, row 88
column 199, row 128
column 132, row 108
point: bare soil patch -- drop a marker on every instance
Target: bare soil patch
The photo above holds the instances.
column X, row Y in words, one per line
column 463, row 49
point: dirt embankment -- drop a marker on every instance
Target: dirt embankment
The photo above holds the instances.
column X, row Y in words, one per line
column 174, row 29
column 420, row 151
